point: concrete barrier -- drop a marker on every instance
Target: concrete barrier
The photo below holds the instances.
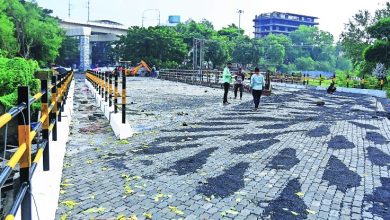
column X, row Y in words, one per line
column 122, row 131
column 370, row 92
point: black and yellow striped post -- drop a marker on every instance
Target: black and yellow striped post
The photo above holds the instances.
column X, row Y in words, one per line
column 103, row 85
column 45, row 125
column 63, row 84
column 59, row 92
column 24, row 138
column 123, row 96
column 65, row 90
column 334, row 79
column 382, row 82
column 53, row 113
column 110, row 89
column 106, row 89
column 98, row 77
column 96, row 82
column 116, row 91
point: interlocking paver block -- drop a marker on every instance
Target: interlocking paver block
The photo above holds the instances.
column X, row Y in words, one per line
column 229, row 162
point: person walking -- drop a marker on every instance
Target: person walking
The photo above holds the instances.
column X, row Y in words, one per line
column 239, row 83
column 227, row 79
column 154, row 70
column 257, row 85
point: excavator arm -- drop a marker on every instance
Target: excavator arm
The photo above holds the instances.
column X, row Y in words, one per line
column 135, row 70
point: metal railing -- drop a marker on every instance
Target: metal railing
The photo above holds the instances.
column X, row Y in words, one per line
column 211, row 78
column 108, row 89
column 307, row 80
column 27, row 131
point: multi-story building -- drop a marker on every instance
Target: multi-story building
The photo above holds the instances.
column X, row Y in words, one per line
column 280, row 23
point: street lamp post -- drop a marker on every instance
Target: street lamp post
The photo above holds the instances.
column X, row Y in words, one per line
column 143, row 15
column 239, row 17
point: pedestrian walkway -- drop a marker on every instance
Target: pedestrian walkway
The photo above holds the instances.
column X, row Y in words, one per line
column 194, row 158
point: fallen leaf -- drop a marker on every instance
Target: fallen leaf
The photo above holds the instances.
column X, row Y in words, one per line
column 66, row 184
column 300, row 194
column 133, row 217
column 121, row 217
column 89, row 161
column 148, row 215
column 123, row 142
column 136, row 177
column 62, row 191
column 238, row 200
column 176, row 210
column 95, row 210
column 70, row 203
column 311, row 211
column 232, row 211
column 65, row 216
column 159, row 196
column 128, row 190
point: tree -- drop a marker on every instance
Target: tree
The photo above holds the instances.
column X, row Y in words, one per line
column 305, row 63
column 379, row 52
column 157, row 45
column 246, row 51
column 38, row 34
column 8, row 42
column 231, row 32
column 217, row 51
column 69, row 52
column 355, row 39
column 274, row 51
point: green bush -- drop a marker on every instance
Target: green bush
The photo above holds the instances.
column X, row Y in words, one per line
column 13, row 73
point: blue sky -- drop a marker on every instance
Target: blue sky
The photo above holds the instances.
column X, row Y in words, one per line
column 333, row 14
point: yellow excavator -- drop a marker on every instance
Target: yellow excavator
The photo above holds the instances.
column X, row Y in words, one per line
column 134, row 70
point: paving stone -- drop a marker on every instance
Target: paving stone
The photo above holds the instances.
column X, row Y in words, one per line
column 290, row 155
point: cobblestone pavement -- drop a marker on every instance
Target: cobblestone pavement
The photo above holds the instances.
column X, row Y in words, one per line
column 292, row 159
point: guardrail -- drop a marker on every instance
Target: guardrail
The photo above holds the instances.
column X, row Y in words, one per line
column 202, row 77
column 306, row 80
column 27, row 131
column 108, row 89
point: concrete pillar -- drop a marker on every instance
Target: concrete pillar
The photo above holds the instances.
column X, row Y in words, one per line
column 85, row 61
column 84, row 33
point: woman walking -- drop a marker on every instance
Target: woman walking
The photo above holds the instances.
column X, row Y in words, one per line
column 257, row 85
